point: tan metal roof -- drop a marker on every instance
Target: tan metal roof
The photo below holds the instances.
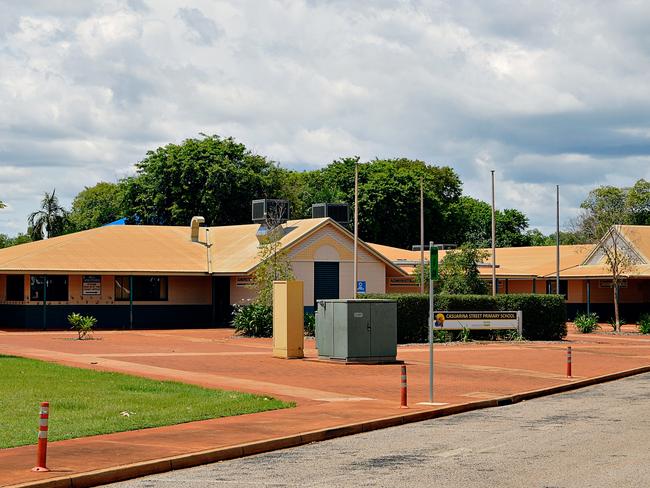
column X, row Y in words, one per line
column 148, row 249
column 515, row 262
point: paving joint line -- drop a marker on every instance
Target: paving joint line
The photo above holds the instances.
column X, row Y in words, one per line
column 157, row 466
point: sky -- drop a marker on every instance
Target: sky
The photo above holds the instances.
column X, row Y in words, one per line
column 543, row 92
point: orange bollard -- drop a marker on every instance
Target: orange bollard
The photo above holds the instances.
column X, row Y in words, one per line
column 568, row 362
column 41, row 455
column 404, row 392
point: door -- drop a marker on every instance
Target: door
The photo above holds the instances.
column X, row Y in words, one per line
column 221, row 308
column 326, row 280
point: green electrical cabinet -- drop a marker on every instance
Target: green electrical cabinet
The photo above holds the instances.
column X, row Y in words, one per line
column 357, row 330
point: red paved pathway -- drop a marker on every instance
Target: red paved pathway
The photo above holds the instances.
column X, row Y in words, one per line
column 327, row 394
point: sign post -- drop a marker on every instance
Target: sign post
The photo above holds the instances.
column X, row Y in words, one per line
column 433, row 275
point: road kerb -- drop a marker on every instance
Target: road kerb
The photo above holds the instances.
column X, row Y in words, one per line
column 157, row 466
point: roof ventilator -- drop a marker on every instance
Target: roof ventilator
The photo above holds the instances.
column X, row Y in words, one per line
column 270, row 214
column 194, row 227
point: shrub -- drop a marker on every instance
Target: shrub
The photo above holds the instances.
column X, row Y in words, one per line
column 412, row 316
column 644, row 323
column 544, row 316
column 82, row 324
column 586, row 322
column 310, row 324
column 253, row 320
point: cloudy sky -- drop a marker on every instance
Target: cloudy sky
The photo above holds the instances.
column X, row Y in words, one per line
column 544, row 92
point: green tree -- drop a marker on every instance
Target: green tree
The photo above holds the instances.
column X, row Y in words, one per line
column 274, row 261
column 96, row 206
column 389, row 196
column 213, row 177
column 50, row 220
column 2, row 204
column 471, row 223
column 6, row 241
column 638, row 203
column 459, row 272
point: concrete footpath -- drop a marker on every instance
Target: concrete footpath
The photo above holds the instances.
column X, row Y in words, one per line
column 332, row 399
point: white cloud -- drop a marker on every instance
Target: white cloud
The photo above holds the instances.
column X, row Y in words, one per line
column 543, row 92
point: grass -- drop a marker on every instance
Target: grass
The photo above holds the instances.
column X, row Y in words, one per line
column 85, row 402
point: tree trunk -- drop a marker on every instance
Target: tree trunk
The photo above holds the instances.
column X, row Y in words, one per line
column 617, row 320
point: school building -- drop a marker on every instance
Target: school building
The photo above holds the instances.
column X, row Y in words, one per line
column 137, row 276
column 585, row 278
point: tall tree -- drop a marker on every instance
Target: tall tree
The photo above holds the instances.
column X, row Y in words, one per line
column 2, row 204
column 638, row 203
column 213, row 177
column 389, row 197
column 602, row 213
column 459, row 272
column 96, row 205
column 50, row 220
column 471, row 223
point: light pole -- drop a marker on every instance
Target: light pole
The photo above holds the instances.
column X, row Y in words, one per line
column 356, row 224
column 557, row 240
column 421, row 234
column 494, row 245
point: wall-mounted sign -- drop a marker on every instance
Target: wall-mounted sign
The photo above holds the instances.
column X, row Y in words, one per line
column 91, row 285
column 402, row 281
column 244, row 281
column 610, row 284
column 361, row 287
column 477, row 320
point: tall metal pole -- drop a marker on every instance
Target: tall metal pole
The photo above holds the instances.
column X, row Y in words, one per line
column 44, row 302
column 494, row 244
column 430, row 326
column 557, row 241
column 356, row 224
column 421, row 234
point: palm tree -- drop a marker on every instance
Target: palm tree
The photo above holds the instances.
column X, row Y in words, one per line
column 49, row 220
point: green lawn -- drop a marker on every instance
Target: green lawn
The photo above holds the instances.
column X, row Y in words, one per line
column 84, row 402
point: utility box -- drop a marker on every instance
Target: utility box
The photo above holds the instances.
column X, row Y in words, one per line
column 288, row 319
column 357, row 330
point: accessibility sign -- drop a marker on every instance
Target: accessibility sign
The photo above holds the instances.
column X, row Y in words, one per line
column 361, row 287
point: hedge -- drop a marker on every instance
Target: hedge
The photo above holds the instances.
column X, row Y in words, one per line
column 544, row 316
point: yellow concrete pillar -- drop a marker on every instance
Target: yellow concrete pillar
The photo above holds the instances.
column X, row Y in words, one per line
column 288, row 319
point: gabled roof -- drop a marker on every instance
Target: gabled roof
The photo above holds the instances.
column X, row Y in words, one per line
column 512, row 262
column 147, row 249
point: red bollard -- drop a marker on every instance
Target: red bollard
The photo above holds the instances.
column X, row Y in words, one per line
column 404, row 403
column 568, row 362
column 41, row 456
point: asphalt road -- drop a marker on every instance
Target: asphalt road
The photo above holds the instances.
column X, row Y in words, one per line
column 594, row 437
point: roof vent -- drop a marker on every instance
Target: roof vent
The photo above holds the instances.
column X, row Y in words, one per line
column 194, row 227
column 339, row 212
column 270, row 212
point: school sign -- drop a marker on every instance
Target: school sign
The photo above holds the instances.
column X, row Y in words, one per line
column 477, row 320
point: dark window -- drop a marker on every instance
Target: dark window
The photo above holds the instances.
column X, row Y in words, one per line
column 326, row 280
column 15, row 288
column 57, row 288
column 551, row 287
column 145, row 288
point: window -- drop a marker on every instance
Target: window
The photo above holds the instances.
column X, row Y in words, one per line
column 145, row 288
column 551, row 287
column 56, row 290
column 15, row 288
